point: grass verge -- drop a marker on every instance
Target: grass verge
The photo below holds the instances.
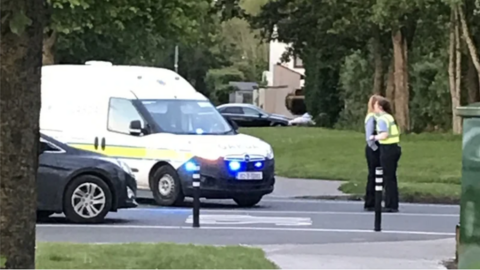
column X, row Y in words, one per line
column 429, row 169
column 148, row 256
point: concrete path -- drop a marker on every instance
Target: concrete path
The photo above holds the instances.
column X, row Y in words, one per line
column 294, row 187
column 367, row 255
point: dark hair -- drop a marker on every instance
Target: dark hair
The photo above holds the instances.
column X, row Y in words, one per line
column 386, row 105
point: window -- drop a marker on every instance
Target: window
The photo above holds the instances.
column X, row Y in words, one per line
column 247, row 98
column 233, row 110
column 120, row 113
column 250, row 111
column 46, row 146
column 297, row 62
column 194, row 117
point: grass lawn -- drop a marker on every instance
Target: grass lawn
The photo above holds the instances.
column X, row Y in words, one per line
column 148, row 256
column 429, row 170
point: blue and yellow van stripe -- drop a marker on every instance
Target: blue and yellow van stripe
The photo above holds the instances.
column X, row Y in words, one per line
column 135, row 152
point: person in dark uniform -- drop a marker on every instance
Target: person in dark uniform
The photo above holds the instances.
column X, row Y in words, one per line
column 390, row 152
column 372, row 153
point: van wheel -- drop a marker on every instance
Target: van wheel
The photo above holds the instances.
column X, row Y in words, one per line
column 87, row 199
column 166, row 187
column 249, row 201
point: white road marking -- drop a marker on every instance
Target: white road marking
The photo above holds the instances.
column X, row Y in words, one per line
column 277, row 229
column 325, row 201
column 167, row 209
column 247, row 219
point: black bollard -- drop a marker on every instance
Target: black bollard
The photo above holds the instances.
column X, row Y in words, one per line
column 378, row 198
column 196, row 198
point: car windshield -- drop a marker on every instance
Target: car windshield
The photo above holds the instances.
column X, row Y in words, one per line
column 197, row 117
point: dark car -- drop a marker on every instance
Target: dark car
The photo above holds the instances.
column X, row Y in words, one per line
column 83, row 185
column 248, row 115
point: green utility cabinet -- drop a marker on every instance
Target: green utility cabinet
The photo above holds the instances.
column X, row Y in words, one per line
column 469, row 246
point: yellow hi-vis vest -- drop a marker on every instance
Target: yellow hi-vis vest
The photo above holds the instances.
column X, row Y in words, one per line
column 393, row 131
column 370, row 115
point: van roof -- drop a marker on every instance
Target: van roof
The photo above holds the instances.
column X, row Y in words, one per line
column 123, row 81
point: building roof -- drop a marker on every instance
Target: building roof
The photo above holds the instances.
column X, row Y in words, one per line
column 292, row 70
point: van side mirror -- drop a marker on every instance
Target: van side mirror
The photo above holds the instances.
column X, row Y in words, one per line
column 136, row 128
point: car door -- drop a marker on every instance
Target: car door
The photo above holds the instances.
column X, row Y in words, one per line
column 235, row 113
column 118, row 140
column 50, row 177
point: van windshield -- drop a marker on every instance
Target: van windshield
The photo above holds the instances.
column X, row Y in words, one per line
column 196, row 117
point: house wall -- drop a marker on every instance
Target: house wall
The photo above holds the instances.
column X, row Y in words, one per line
column 283, row 76
column 241, row 97
column 275, row 54
column 272, row 100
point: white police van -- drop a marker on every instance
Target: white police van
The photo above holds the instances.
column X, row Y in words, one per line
column 157, row 123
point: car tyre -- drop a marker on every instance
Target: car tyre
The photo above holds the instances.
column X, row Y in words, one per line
column 249, row 201
column 97, row 199
column 166, row 187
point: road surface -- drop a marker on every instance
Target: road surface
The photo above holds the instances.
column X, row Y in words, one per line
column 273, row 222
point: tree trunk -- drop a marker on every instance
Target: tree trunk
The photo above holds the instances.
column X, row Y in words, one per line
column 377, row 54
column 472, row 82
column 451, row 61
column 48, row 55
column 390, row 90
column 401, row 85
column 454, row 70
column 20, row 67
column 470, row 44
column 457, row 124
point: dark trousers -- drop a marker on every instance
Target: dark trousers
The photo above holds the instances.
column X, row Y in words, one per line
column 373, row 161
column 389, row 156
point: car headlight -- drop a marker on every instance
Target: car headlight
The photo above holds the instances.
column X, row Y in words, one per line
column 125, row 167
column 270, row 152
column 130, row 193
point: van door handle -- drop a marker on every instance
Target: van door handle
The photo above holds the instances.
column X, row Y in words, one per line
column 103, row 143
column 95, row 143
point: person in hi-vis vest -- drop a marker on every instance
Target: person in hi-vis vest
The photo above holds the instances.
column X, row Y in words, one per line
column 390, row 152
column 372, row 153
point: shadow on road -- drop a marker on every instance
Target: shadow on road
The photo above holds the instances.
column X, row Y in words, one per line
column 63, row 220
column 217, row 204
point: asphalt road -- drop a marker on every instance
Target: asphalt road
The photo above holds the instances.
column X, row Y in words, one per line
column 273, row 221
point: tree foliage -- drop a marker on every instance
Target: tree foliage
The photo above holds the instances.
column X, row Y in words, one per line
column 350, row 47
column 125, row 30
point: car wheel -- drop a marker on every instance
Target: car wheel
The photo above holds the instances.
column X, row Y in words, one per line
column 278, row 125
column 248, row 201
column 166, row 187
column 41, row 215
column 87, row 199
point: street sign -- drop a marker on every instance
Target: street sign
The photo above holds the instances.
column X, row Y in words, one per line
column 247, row 219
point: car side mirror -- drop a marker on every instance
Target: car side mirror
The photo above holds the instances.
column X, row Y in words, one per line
column 260, row 115
column 233, row 124
column 136, row 128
